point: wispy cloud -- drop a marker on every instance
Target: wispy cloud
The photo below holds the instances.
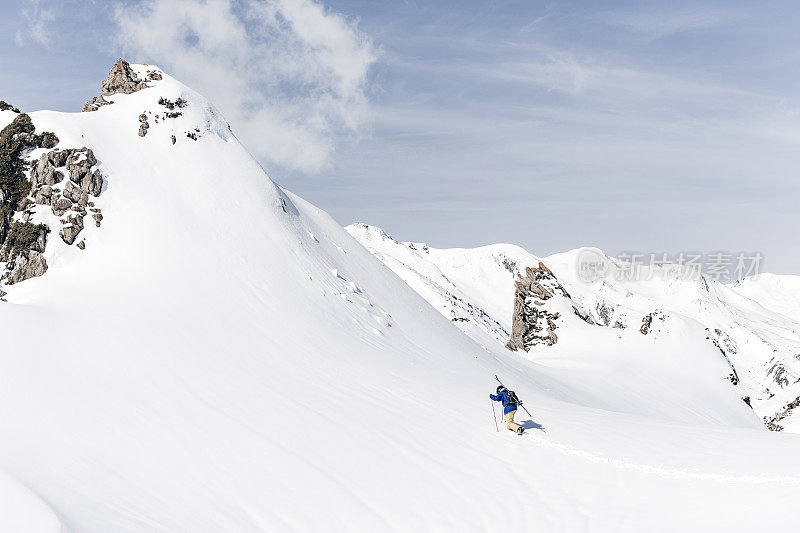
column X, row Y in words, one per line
column 37, row 18
column 661, row 21
column 290, row 75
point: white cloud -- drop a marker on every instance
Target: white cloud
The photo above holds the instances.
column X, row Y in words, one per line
column 37, row 18
column 289, row 75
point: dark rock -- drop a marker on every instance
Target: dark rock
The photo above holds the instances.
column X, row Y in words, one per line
column 121, row 79
column 58, row 158
column 48, row 140
column 583, row 315
column 772, row 423
column 72, row 192
column 24, row 237
column 647, row 323
column 144, row 126
column 93, row 184
column 172, row 105
column 69, row 232
column 44, row 173
column 532, row 322
column 26, row 266
column 95, row 103
column 60, row 205
column 82, row 245
column 44, row 195
column 5, row 106
column 79, row 164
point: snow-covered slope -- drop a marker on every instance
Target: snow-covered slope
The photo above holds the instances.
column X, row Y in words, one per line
column 780, row 294
column 759, row 343
column 222, row 356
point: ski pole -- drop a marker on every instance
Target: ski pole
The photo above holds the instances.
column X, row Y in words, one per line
column 520, row 403
column 495, row 416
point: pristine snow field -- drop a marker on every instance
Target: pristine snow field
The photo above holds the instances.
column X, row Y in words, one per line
column 224, row 357
column 776, row 293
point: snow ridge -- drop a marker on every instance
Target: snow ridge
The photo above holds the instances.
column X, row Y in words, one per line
column 223, row 356
column 759, row 344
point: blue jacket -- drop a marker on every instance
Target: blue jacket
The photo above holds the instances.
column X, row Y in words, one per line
column 503, row 397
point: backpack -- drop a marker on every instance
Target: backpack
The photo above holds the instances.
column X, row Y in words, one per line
column 512, row 398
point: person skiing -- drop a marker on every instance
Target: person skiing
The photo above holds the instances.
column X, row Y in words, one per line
column 509, row 408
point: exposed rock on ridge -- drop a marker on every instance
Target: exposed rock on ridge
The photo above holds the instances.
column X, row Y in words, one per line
column 21, row 242
column 121, row 80
column 95, row 103
column 772, row 422
column 533, row 324
column 63, row 180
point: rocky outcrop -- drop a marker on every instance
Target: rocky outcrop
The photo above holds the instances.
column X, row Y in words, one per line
column 85, row 182
column 780, row 375
column 143, row 125
column 772, row 422
column 172, row 107
column 604, row 313
column 69, row 231
column 533, row 324
column 5, row 106
column 121, row 79
column 79, row 165
column 647, row 323
column 48, row 140
column 65, row 181
column 60, row 205
column 21, row 251
column 21, row 242
column 26, row 266
column 95, row 103
column 46, row 172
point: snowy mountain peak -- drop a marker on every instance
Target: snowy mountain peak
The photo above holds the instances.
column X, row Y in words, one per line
column 145, row 124
column 555, row 306
column 208, row 352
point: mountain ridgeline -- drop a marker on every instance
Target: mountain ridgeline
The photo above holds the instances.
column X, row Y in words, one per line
column 187, row 346
column 536, row 305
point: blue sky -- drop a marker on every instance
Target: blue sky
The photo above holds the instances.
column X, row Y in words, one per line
column 631, row 126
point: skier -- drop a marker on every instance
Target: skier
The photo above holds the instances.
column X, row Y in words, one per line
column 509, row 408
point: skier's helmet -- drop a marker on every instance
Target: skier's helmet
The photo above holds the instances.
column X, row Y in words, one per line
column 500, row 388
